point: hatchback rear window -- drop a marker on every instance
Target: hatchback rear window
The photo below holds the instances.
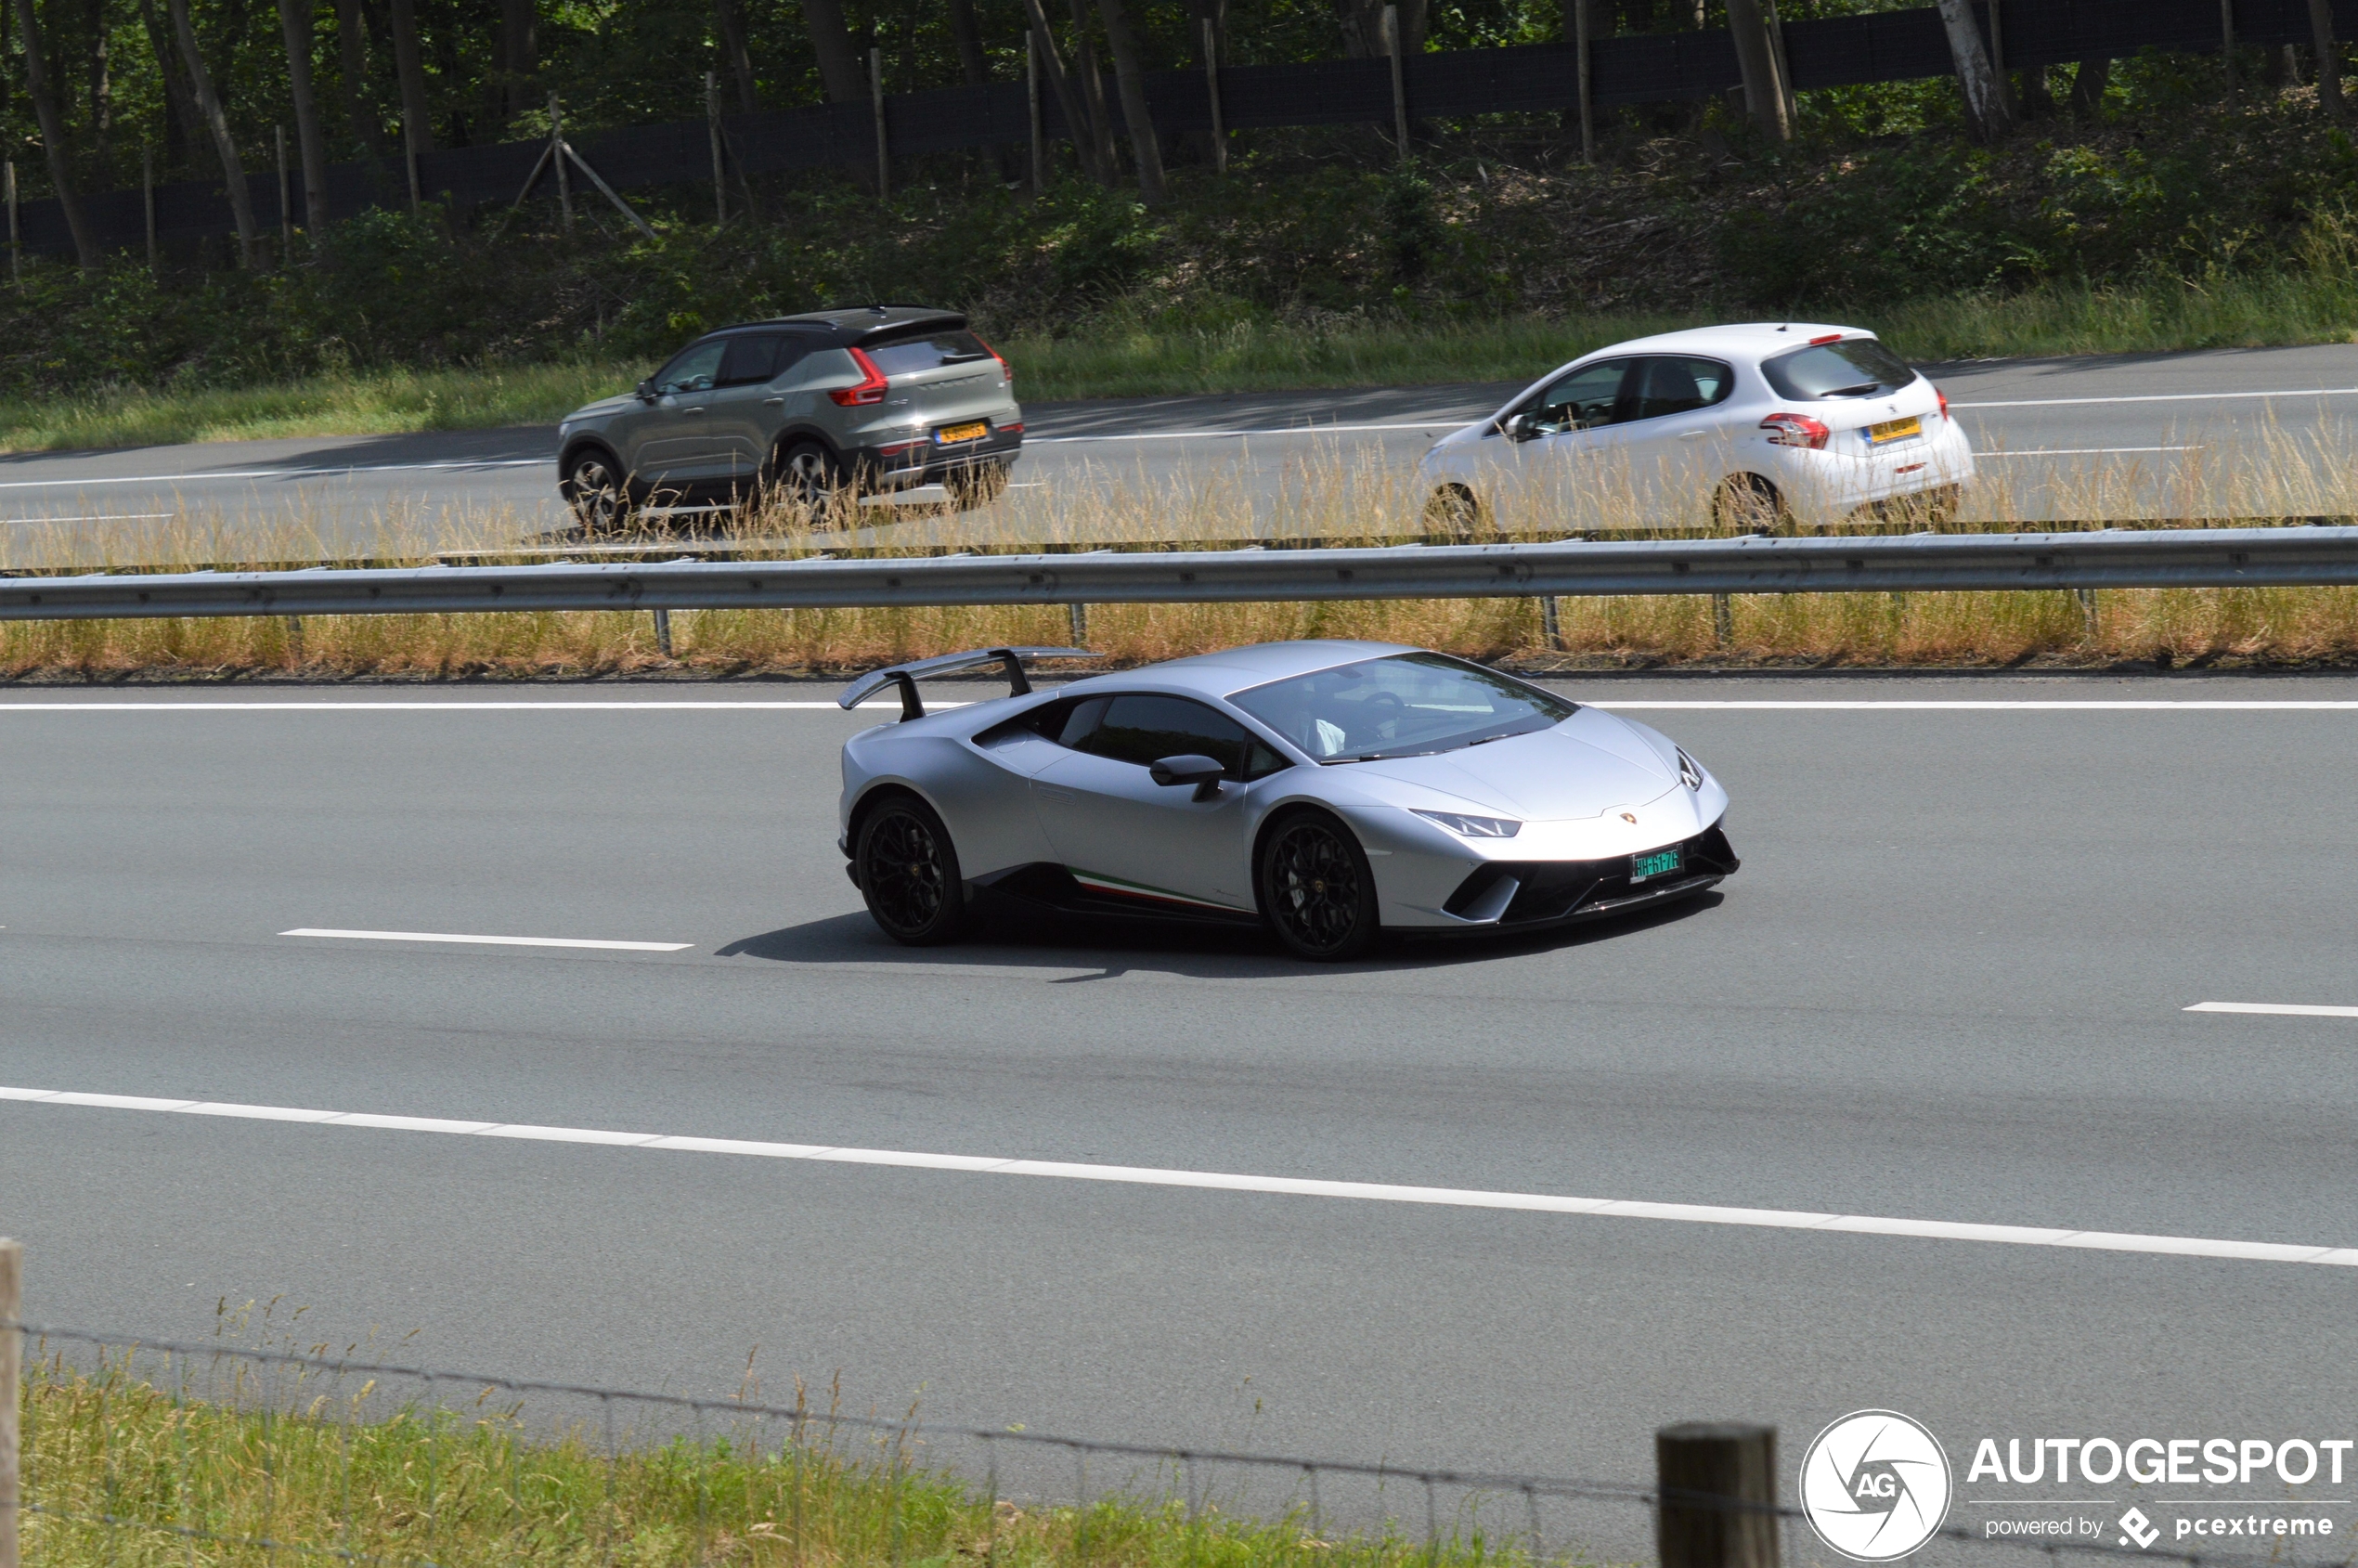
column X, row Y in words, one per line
column 928, row 353
column 1853, row 368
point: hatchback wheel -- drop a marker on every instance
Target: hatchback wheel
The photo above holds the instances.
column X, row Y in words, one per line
column 1747, row 503
column 909, row 874
column 600, row 499
column 1317, row 892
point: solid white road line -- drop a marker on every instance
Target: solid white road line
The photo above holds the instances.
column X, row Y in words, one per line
column 210, row 476
column 2077, row 451
column 1994, row 705
column 2288, row 1008
column 493, row 942
column 893, row 703
column 2163, row 398
column 1292, row 1186
column 1450, row 421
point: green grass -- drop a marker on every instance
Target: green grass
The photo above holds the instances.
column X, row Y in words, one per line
column 309, row 1464
column 1114, row 357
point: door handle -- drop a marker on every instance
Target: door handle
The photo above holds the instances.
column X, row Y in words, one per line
column 692, row 411
column 773, row 402
column 1693, row 435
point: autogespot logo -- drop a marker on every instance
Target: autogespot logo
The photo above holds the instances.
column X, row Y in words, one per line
column 1874, row 1485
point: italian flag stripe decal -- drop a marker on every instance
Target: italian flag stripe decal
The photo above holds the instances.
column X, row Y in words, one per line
column 1097, row 883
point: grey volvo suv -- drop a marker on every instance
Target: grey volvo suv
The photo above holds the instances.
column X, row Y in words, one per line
column 797, row 409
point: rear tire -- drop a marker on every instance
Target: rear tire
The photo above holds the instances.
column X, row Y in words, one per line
column 1940, row 504
column 909, row 874
column 807, row 474
column 1317, row 892
column 1747, row 503
column 976, row 486
column 598, row 493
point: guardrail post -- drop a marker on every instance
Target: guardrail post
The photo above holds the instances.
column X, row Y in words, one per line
column 1716, row 1486
column 2088, row 623
column 11, row 1392
column 663, row 633
column 1078, row 615
column 1549, row 631
column 1723, row 620
column 294, row 637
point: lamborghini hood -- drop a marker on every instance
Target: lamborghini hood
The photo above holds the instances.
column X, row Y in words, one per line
column 1591, row 764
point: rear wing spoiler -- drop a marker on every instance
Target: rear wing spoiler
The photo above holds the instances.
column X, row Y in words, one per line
column 905, row 676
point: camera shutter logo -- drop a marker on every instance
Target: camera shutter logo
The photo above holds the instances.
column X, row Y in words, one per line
column 1874, row 1485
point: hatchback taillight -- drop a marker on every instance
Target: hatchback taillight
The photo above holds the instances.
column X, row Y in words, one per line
column 1795, row 430
column 1944, row 401
column 871, row 389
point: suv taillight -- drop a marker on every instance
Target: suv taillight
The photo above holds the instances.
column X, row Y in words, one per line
column 1795, row 430
column 871, row 389
column 1004, row 368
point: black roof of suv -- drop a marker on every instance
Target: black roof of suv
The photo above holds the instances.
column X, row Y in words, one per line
column 866, row 324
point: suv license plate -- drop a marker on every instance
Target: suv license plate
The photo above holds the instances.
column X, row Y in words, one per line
column 951, row 434
column 1894, row 430
column 1662, row 862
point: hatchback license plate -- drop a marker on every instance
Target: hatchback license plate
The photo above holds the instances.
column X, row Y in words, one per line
column 1883, row 434
column 952, row 435
column 1662, row 862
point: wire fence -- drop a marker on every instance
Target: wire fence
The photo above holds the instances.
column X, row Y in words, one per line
column 137, row 1450
column 1897, row 46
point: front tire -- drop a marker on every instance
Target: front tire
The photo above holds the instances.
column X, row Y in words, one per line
column 598, row 493
column 1454, row 512
column 1317, row 892
column 909, row 874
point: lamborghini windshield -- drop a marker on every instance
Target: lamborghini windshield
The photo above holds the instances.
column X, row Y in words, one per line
column 1402, row 705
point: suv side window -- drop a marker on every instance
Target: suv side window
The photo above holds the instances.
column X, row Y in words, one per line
column 1585, row 399
column 752, row 358
column 1665, row 384
column 692, row 369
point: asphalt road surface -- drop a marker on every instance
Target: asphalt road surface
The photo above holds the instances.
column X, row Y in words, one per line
column 1949, row 984
column 2182, row 434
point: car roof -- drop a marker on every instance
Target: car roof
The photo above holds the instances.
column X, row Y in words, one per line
column 866, row 324
column 1237, row 669
column 1754, row 339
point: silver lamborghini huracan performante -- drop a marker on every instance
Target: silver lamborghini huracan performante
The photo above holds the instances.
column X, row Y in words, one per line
column 1329, row 791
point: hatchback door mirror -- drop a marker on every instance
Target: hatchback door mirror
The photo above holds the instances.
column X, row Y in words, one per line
column 1204, row 772
column 1521, row 427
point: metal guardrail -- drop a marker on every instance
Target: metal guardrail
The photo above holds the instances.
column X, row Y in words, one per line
column 2307, row 557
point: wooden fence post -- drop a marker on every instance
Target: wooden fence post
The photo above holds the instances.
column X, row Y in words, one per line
column 1031, row 102
column 557, row 156
column 875, row 99
column 1698, row 1465
column 720, row 169
column 12, row 1392
column 1580, row 63
column 286, row 205
column 147, row 197
column 16, row 243
column 1211, row 84
column 409, row 160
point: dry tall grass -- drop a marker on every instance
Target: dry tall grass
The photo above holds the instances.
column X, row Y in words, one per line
column 1325, row 492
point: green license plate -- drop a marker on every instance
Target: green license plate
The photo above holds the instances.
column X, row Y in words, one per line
column 1662, row 862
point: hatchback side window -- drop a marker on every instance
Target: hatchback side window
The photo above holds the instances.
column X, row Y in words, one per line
column 1581, row 400
column 1144, row 728
column 692, row 370
column 751, row 359
column 1668, row 385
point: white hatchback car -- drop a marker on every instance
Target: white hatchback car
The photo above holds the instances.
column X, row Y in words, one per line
column 1741, row 425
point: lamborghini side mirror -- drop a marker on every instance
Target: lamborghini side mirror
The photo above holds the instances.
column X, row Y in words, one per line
column 1204, row 772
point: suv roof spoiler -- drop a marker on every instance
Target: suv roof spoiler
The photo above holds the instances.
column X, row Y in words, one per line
column 905, row 676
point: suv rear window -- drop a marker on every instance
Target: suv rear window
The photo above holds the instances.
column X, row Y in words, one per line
column 928, row 353
column 1853, row 368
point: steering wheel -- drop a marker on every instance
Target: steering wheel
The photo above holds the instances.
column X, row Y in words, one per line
column 1376, row 709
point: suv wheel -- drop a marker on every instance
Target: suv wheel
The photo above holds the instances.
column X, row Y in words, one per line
column 909, row 872
column 806, row 476
column 600, row 496
column 1316, row 891
column 978, row 485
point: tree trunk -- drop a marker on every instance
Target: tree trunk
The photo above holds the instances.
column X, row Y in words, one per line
column 401, row 17
column 180, row 115
column 1132, row 80
column 2088, row 86
column 352, row 63
column 519, row 54
column 1093, row 93
column 731, row 23
column 101, row 90
column 53, row 136
column 2321, row 28
column 1361, row 22
column 1985, row 103
column 840, row 69
column 1052, row 65
column 971, row 64
column 296, row 20
column 233, row 173
column 1757, row 58
column 1415, row 21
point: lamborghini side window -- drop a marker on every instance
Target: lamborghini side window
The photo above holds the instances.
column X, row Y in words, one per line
column 1081, row 722
column 1144, row 728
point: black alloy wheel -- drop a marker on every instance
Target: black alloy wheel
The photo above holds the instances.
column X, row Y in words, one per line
column 909, row 874
column 1317, row 892
column 600, row 497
